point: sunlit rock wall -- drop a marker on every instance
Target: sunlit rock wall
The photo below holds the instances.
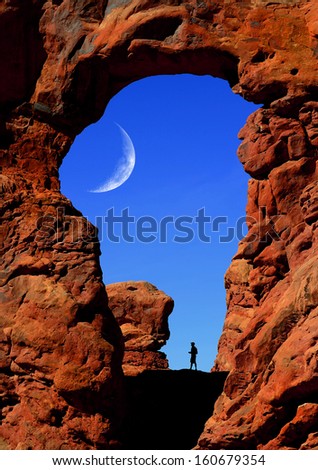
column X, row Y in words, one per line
column 142, row 312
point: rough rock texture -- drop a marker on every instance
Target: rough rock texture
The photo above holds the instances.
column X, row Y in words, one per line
column 141, row 311
column 62, row 61
column 269, row 342
column 61, row 349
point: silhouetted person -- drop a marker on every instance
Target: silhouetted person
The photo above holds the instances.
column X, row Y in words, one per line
column 193, row 357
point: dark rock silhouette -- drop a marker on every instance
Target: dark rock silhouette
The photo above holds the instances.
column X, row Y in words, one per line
column 167, row 409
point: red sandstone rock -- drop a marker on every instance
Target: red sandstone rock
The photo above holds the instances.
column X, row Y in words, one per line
column 273, row 351
column 62, row 62
column 60, row 345
column 142, row 313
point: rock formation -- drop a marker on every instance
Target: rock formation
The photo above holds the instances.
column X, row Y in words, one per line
column 168, row 408
column 62, row 62
column 269, row 341
column 141, row 311
column 61, row 349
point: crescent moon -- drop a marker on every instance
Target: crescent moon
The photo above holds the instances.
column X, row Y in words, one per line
column 124, row 168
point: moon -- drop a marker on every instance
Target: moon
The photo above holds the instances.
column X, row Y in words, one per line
column 124, row 167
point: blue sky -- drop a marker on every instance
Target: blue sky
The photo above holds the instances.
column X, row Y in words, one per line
column 184, row 130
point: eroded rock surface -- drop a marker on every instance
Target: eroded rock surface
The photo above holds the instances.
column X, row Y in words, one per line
column 61, row 349
column 62, row 62
column 141, row 311
column 269, row 342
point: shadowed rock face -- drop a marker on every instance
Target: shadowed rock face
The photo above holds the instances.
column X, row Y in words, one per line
column 167, row 409
column 61, row 348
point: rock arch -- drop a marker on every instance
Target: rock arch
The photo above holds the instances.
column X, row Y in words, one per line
column 65, row 59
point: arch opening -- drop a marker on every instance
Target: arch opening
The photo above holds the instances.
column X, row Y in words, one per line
column 185, row 200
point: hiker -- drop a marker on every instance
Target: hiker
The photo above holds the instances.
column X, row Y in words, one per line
column 193, row 356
